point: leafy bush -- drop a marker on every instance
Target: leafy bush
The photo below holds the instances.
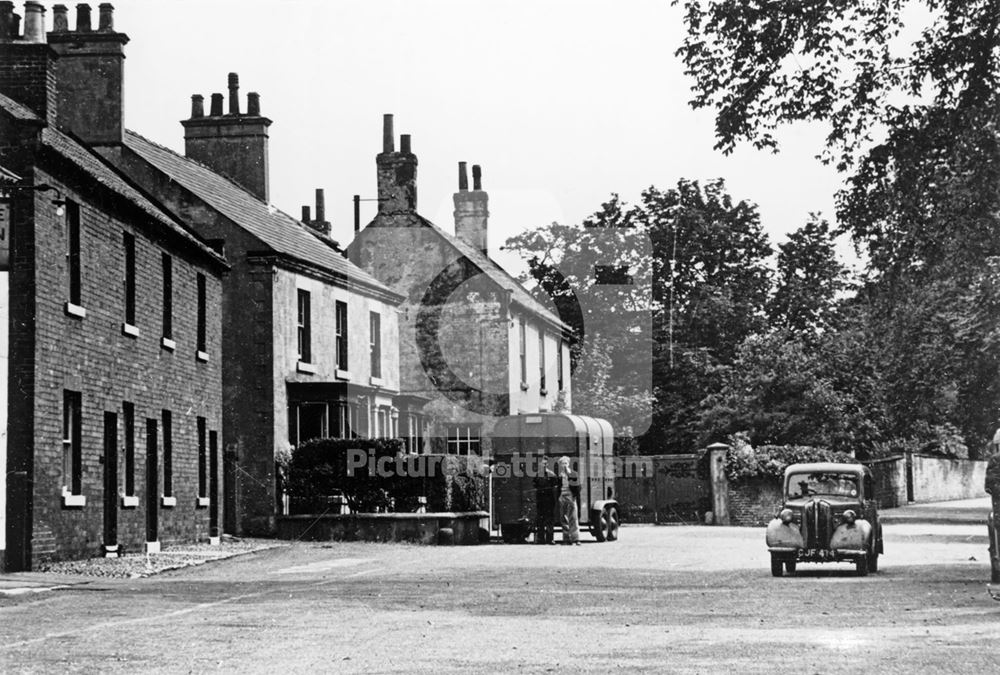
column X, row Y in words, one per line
column 744, row 463
column 320, row 469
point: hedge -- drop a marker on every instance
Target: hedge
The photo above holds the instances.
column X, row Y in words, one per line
column 382, row 478
column 744, row 463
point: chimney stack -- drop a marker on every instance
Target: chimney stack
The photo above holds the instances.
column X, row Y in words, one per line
column 471, row 210
column 320, row 224
column 396, row 173
column 90, row 75
column 27, row 67
column 233, row 144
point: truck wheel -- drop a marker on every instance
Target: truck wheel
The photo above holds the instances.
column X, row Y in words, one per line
column 600, row 527
column 790, row 566
column 612, row 523
column 861, row 566
column 777, row 566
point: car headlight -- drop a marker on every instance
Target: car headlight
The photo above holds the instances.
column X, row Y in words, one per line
column 849, row 516
column 786, row 516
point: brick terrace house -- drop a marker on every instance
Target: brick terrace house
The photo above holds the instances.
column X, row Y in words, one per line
column 309, row 340
column 473, row 341
column 111, row 305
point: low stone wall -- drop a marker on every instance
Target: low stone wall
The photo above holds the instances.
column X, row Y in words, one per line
column 755, row 502
column 419, row 528
column 889, row 476
column 937, row 479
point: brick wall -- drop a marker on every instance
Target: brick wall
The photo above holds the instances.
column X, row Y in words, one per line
column 754, row 503
column 91, row 355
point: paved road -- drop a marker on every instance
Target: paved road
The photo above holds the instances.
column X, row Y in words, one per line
column 661, row 599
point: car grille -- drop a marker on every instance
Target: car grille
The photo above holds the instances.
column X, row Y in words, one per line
column 817, row 524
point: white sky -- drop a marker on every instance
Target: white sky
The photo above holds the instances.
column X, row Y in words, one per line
column 562, row 103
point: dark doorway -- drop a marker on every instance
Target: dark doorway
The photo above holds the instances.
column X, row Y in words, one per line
column 213, row 483
column 229, row 492
column 110, row 482
column 152, row 483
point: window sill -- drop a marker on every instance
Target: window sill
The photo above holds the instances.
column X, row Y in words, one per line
column 130, row 502
column 168, row 502
column 130, row 330
column 306, row 367
column 202, row 356
column 75, row 311
column 524, row 386
column 376, row 381
column 168, row 344
column 342, row 374
column 70, row 500
column 203, row 502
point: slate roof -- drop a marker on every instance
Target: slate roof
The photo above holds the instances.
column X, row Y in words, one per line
column 279, row 231
column 96, row 168
column 486, row 264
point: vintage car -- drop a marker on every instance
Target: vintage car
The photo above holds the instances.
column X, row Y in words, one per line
column 829, row 514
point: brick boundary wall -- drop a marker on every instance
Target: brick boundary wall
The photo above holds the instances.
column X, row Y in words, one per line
column 755, row 502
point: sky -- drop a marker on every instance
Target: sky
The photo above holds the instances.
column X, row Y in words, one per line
column 561, row 103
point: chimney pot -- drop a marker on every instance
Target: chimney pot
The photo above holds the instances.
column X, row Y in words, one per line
column 60, row 18
column 253, row 104
column 234, row 94
column 320, row 205
column 34, row 21
column 83, row 18
column 388, row 138
column 404, row 144
column 6, row 15
column 305, row 214
column 477, row 177
column 216, row 110
column 106, row 17
column 463, row 178
column 197, row 106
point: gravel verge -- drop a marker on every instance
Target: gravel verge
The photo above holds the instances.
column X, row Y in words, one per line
column 137, row 565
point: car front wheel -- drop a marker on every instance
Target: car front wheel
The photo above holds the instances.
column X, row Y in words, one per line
column 777, row 565
column 790, row 566
column 873, row 559
column 861, row 566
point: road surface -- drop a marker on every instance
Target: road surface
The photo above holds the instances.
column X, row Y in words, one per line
column 662, row 599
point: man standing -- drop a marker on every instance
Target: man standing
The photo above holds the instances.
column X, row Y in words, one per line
column 993, row 489
column 569, row 492
column 546, row 489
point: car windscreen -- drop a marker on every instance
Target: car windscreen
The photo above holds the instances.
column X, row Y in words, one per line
column 822, row 483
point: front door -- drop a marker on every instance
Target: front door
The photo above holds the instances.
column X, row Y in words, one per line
column 213, row 483
column 110, row 481
column 152, row 483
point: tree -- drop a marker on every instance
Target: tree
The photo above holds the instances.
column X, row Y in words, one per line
column 698, row 263
column 809, row 277
column 778, row 392
column 853, row 65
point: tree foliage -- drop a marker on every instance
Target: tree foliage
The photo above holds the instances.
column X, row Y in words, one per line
column 854, row 65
